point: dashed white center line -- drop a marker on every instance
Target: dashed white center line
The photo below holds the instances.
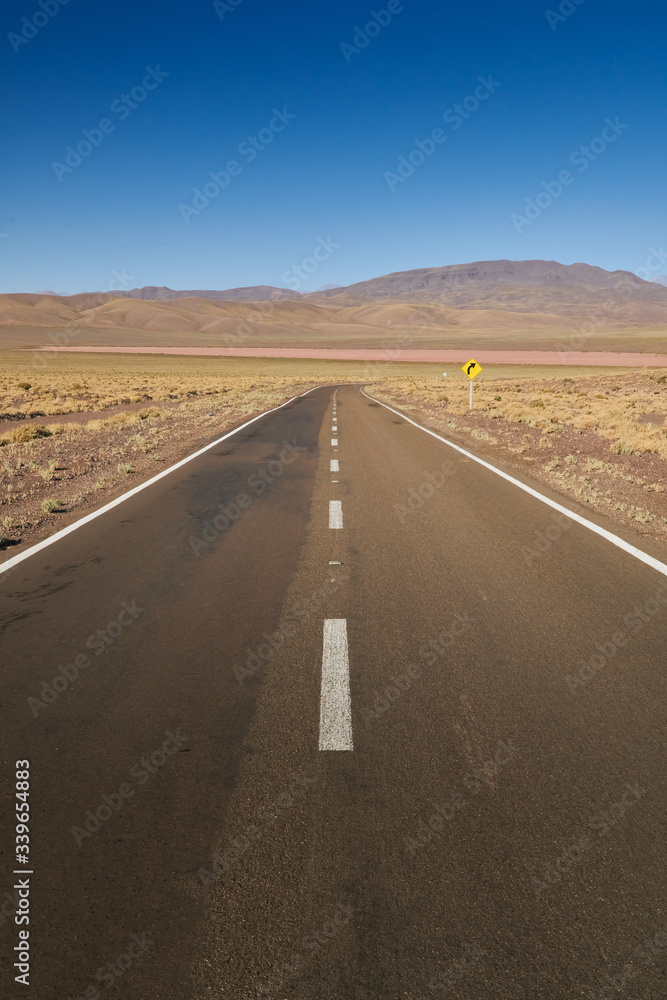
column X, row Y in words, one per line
column 334, row 442
column 335, row 702
column 335, row 514
column 333, row 465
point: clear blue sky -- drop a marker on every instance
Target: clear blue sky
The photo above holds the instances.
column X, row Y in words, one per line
column 117, row 218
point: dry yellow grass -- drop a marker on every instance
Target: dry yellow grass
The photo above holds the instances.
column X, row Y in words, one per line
column 610, row 405
column 61, row 389
column 599, row 439
column 583, row 431
column 110, row 422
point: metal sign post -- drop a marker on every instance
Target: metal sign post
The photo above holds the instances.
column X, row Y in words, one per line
column 472, row 369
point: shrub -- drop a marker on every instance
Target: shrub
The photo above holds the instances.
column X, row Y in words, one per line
column 48, row 506
column 24, row 434
column 150, row 411
column 118, row 418
column 483, row 436
column 141, row 443
column 47, row 474
column 126, row 468
column 103, row 482
column 6, row 525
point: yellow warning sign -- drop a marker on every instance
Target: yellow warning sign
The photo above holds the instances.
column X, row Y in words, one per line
column 472, row 369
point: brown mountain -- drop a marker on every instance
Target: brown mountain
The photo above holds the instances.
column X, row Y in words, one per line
column 509, row 304
column 251, row 293
column 526, row 285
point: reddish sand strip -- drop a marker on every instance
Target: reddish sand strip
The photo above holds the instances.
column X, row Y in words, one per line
column 600, row 358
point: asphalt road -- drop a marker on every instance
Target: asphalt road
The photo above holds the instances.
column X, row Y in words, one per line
column 486, row 817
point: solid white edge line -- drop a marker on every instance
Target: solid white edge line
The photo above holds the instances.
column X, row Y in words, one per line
column 335, row 700
column 632, row 550
column 15, row 560
column 335, row 514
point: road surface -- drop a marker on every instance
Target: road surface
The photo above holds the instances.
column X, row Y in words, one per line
column 346, row 716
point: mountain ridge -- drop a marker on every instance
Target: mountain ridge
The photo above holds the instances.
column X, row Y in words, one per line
column 248, row 293
column 454, row 284
column 511, row 304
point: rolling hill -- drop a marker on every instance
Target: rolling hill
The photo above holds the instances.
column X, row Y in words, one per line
column 251, row 293
column 508, row 304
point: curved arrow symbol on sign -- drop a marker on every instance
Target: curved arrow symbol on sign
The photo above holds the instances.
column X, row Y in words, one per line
column 472, row 365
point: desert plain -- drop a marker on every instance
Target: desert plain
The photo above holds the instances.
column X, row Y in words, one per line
column 99, row 391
